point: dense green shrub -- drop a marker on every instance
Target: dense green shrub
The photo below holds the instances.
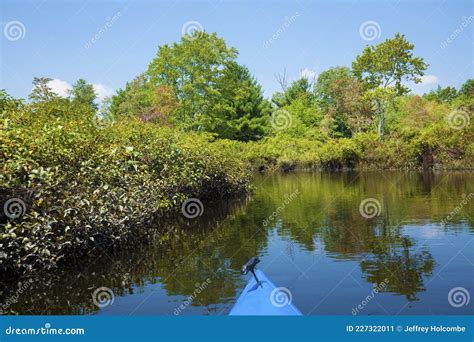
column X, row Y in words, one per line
column 89, row 187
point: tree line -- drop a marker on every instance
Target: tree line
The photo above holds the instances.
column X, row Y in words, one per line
column 198, row 85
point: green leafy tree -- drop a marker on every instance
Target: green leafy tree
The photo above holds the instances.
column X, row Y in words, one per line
column 380, row 98
column 299, row 88
column 465, row 100
column 383, row 69
column 468, row 88
column 447, row 94
column 83, row 92
column 339, row 94
column 135, row 99
column 164, row 104
column 8, row 102
column 389, row 64
column 104, row 111
column 324, row 81
column 42, row 92
column 347, row 108
column 297, row 101
column 215, row 94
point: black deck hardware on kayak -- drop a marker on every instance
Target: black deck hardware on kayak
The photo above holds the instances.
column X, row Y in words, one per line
column 250, row 266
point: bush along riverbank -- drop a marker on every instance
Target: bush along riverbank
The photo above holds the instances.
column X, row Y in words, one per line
column 73, row 186
column 442, row 150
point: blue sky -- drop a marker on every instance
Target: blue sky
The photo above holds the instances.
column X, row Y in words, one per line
column 110, row 42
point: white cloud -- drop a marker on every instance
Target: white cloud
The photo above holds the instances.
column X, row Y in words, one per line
column 60, row 87
column 102, row 91
column 428, row 80
column 308, row 74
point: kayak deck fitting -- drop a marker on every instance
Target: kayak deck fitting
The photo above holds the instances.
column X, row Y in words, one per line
column 261, row 297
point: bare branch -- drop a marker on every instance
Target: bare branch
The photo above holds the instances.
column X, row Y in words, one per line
column 282, row 79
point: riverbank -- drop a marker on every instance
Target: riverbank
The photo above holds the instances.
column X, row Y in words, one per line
column 364, row 151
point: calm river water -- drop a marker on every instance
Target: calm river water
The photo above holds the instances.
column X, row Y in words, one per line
column 314, row 234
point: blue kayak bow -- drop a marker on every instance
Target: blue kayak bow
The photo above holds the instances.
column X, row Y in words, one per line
column 261, row 297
